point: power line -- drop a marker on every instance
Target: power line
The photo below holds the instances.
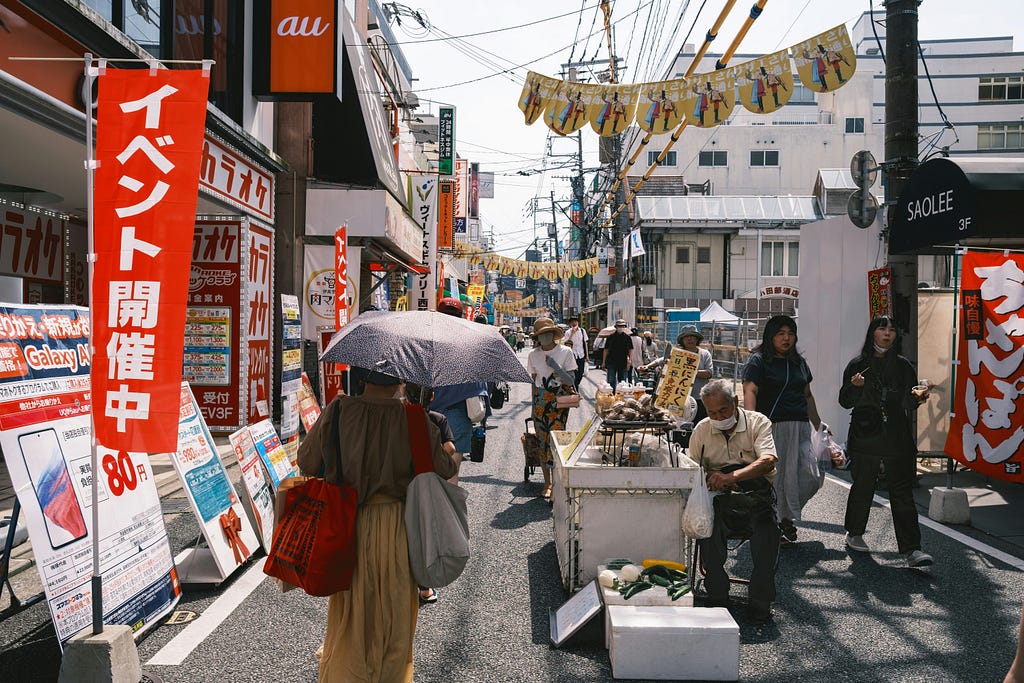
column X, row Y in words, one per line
column 484, row 33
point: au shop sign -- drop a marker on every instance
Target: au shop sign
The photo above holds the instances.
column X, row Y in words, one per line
column 297, row 49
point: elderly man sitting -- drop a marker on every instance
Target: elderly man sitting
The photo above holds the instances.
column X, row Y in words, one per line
column 735, row 448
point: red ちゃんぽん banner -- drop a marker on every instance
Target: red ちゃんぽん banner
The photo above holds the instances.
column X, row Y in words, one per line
column 986, row 432
column 149, row 141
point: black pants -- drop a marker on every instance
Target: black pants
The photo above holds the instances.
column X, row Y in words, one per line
column 764, row 551
column 581, row 369
column 900, row 471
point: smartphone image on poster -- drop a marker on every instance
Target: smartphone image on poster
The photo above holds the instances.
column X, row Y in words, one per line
column 62, row 511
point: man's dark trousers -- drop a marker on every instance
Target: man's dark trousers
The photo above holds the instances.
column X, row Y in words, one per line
column 764, row 552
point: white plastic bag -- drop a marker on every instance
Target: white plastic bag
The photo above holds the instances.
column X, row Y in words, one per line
column 476, row 408
column 699, row 515
column 820, row 448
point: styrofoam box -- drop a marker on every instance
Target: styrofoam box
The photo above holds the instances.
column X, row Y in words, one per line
column 658, row 595
column 674, row 643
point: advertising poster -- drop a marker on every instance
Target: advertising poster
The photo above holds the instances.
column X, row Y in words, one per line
column 271, row 452
column 309, row 410
column 680, row 372
column 45, row 437
column 212, row 361
column 826, row 61
column 318, row 287
column 259, row 285
column 986, row 431
column 879, row 292
column 461, row 197
column 145, row 204
column 291, row 345
column 229, row 536
column 256, row 485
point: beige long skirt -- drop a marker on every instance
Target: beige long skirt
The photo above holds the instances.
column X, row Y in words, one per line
column 370, row 627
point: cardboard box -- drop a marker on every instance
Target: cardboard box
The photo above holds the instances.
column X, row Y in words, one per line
column 674, row 643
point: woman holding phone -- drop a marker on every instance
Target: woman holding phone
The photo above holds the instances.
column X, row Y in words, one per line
column 881, row 388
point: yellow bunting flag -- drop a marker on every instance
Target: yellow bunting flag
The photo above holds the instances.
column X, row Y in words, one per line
column 826, row 61
column 660, row 108
column 711, row 99
column 765, row 84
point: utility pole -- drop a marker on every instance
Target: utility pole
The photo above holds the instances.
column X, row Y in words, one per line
column 901, row 141
column 554, row 233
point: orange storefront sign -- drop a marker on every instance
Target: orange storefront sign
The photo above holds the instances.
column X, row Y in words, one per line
column 296, row 50
column 446, row 215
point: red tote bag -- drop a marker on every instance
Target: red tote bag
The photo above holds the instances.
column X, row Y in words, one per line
column 314, row 544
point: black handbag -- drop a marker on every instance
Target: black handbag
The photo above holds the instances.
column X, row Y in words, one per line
column 737, row 509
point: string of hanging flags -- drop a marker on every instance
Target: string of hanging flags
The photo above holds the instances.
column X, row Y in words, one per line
column 823, row 63
column 532, row 269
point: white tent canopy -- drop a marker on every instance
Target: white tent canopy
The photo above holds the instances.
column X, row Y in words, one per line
column 714, row 313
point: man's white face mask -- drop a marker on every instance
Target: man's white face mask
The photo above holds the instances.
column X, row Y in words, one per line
column 724, row 425
column 546, row 338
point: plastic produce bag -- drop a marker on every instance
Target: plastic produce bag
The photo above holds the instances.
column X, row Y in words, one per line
column 699, row 514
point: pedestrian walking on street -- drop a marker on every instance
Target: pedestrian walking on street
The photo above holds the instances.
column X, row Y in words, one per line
column 450, row 401
column 618, row 350
column 881, row 388
column 777, row 383
column 548, row 385
column 578, row 336
column 370, row 626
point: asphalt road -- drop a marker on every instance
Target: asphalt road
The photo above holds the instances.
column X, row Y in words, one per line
column 838, row 617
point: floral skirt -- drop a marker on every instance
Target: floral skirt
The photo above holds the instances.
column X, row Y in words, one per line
column 547, row 416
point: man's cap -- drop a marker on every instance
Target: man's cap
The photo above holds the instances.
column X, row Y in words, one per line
column 621, row 323
column 689, row 331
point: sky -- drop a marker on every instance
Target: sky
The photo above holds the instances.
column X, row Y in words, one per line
column 489, row 126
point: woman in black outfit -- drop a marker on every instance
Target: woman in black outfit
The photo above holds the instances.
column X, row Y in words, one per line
column 878, row 385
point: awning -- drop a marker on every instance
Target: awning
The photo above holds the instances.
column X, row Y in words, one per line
column 971, row 201
column 373, row 214
column 732, row 209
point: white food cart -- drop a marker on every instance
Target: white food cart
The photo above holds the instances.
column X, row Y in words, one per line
column 602, row 511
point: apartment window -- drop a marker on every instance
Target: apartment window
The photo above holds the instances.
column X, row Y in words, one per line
column 669, row 160
column 764, row 157
column 703, row 254
column 801, row 93
column 1001, row 136
column 682, row 254
column 1000, row 88
column 713, row 159
column 855, row 125
column 780, row 258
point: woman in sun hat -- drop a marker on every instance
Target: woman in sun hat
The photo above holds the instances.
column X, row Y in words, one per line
column 548, row 385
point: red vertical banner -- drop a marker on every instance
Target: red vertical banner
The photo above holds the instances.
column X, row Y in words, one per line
column 259, row 286
column 986, row 432
column 879, row 293
column 340, row 278
column 149, row 144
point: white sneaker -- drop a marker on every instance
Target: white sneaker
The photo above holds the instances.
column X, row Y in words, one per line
column 857, row 543
column 917, row 558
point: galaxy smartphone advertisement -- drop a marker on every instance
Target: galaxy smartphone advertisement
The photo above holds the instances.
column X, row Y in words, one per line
column 45, row 437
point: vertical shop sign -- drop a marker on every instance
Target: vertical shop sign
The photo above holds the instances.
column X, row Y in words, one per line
column 149, row 141
column 45, row 439
column 474, row 190
column 291, row 373
column 461, row 197
column 446, row 215
column 332, row 375
column 423, row 202
column 340, row 278
column 446, row 140
column 879, row 292
column 212, row 361
column 260, row 260
column 986, row 429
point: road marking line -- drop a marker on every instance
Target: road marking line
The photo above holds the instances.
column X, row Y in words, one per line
column 181, row 646
column 974, row 543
